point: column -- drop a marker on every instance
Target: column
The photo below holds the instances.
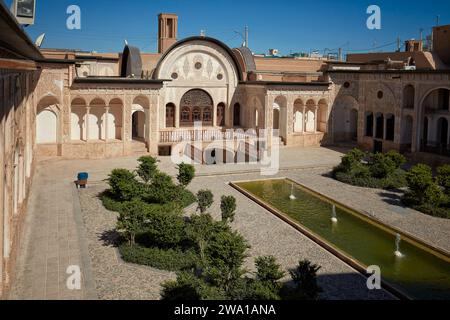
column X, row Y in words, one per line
column 304, row 120
column 106, row 123
column 86, row 123
column 214, row 116
column 316, row 108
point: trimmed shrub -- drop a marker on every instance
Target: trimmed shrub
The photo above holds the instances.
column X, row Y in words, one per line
column 110, row 203
column 228, row 208
column 132, row 219
column 186, row 174
column 443, row 177
column 123, row 184
column 188, row 287
column 419, row 178
column 162, row 190
column 397, row 158
column 381, row 166
column 147, row 168
column 162, row 259
column 165, row 226
column 205, row 199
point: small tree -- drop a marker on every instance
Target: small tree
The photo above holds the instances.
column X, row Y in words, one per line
column 123, row 184
column 381, row 166
column 226, row 254
column 200, row 230
column 147, row 168
column 443, row 177
column 305, row 280
column 228, row 208
column 205, row 199
column 132, row 220
column 186, row 174
column 397, row 158
column 268, row 270
column 162, row 189
column 165, row 226
column 419, row 179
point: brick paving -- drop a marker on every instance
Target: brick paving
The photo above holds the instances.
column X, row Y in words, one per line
column 68, row 227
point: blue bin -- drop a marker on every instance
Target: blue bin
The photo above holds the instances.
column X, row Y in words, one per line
column 83, row 176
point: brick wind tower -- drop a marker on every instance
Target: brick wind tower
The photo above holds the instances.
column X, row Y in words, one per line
column 167, row 31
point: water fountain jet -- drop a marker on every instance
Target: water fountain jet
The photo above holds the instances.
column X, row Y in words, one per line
column 334, row 217
column 292, row 197
column 398, row 240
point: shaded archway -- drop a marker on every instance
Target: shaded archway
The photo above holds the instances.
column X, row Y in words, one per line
column 379, row 126
column 47, row 121
column 138, row 125
column 221, row 114
column 408, row 97
column 344, row 118
column 170, row 115
column 407, row 133
column 298, row 116
column 322, row 116
column 390, row 127
column 77, row 120
column 113, row 124
column 442, row 133
column 237, row 115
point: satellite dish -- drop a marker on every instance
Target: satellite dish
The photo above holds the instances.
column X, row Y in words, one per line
column 40, row 40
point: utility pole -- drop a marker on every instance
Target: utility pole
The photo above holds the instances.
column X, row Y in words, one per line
column 340, row 55
column 438, row 17
column 246, row 36
column 421, row 34
column 398, row 44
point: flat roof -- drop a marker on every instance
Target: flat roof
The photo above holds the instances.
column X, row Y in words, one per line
column 285, row 83
column 119, row 80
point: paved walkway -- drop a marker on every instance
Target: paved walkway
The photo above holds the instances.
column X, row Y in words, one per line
column 59, row 231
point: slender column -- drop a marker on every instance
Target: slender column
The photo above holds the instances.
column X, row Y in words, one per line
column 315, row 118
column 106, row 124
column 214, row 110
column 86, row 123
column 304, row 120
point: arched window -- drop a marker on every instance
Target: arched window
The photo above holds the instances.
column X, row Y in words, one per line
column 369, row 124
column 207, row 115
column 237, row 115
column 185, row 115
column 221, row 115
column 408, row 97
column 379, row 132
column 196, row 115
column 170, row 115
column 199, row 105
column 390, row 127
column 46, row 127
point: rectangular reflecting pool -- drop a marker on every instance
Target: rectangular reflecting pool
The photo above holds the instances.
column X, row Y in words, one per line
column 410, row 267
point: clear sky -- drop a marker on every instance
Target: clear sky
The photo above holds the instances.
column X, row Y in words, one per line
column 288, row 25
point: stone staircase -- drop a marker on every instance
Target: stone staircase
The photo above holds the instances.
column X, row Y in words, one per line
column 139, row 148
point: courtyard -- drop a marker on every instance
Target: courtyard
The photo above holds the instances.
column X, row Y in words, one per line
column 65, row 226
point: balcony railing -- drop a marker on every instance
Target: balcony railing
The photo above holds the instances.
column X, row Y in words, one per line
column 207, row 135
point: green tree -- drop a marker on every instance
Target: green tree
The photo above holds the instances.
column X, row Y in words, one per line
column 147, row 168
column 228, row 208
column 304, row 277
column 226, row 253
column 123, row 184
column 162, row 189
column 165, row 225
column 381, row 166
column 419, row 179
column 186, row 174
column 205, row 199
column 443, row 177
column 268, row 270
column 188, row 287
column 397, row 158
column 351, row 160
column 200, row 230
column 132, row 220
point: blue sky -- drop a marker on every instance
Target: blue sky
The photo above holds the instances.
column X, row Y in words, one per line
column 289, row 25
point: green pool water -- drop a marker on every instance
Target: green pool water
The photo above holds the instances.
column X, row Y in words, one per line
column 419, row 273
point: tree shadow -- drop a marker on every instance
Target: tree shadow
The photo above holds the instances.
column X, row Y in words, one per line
column 110, row 238
column 393, row 197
